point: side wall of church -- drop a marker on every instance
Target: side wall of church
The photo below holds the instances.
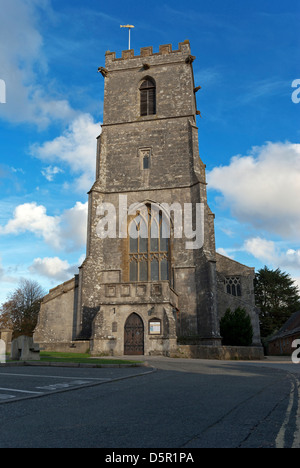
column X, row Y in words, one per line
column 229, row 269
column 57, row 312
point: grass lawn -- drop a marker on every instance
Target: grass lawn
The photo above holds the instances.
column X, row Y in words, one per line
column 48, row 356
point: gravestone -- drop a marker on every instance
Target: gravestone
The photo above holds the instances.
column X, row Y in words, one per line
column 6, row 336
column 23, row 348
column 2, row 352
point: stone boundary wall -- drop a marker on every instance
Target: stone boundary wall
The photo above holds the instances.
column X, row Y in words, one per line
column 69, row 347
column 247, row 353
column 226, row 353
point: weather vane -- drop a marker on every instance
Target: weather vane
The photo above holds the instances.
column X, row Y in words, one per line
column 129, row 27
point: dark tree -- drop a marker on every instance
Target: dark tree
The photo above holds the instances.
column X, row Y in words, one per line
column 236, row 328
column 277, row 298
column 21, row 310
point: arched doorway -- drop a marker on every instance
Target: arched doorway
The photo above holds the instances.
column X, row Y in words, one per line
column 134, row 335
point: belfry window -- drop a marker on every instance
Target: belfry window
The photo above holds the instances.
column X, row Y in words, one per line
column 149, row 247
column 148, row 97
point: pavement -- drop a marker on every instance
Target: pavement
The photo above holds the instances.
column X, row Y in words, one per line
column 69, row 364
column 280, row 362
column 162, row 403
column 276, row 362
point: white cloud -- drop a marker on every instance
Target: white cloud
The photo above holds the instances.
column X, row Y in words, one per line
column 225, row 253
column 262, row 249
column 263, row 188
column 272, row 253
column 76, row 148
column 65, row 232
column 292, row 258
column 49, row 172
column 24, row 66
column 33, row 218
column 297, row 282
column 275, row 256
column 73, row 226
column 53, row 268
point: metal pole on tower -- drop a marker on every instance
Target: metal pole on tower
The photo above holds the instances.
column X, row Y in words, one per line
column 129, row 27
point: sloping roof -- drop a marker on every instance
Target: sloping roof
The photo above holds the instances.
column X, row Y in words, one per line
column 291, row 326
column 220, row 256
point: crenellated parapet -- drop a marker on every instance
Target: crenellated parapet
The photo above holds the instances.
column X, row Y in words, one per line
column 148, row 57
column 165, row 49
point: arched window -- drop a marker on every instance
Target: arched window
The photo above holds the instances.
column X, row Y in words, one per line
column 149, row 246
column 233, row 285
column 148, row 97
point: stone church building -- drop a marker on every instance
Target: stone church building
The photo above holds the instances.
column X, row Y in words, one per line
column 147, row 280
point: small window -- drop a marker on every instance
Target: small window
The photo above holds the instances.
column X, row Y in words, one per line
column 145, row 158
column 148, row 97
column 233, row 286
column 146, row 162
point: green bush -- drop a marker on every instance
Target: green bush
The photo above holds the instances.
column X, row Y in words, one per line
column 236, row 328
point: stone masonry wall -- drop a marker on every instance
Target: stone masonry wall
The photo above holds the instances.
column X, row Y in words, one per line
column 227, row 267
column 57, row 312
column 95, row 305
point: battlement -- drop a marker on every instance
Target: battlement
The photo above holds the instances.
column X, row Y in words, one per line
column 165, row 49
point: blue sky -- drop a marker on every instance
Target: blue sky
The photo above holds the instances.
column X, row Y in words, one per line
column 247, row 56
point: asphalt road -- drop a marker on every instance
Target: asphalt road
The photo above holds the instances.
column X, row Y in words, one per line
column 180, row 404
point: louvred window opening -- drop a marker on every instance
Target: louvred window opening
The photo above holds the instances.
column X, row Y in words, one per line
column 148, row 97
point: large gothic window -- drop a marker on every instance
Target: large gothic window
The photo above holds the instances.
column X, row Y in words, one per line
column 149, row 247
column 148, row 97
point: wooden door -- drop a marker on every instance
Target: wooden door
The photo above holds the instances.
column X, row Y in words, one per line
column 134, row 335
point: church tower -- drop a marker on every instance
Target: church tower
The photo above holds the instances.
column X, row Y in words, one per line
column 151, row 278
column 148, row 155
